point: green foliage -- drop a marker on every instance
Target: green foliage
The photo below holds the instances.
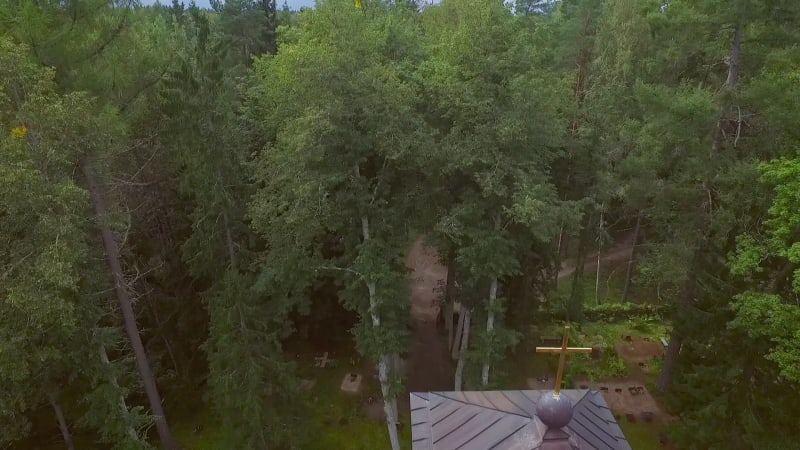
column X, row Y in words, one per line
column 252, row 387
column 612, row 312
column 609, row 366
column 503, row 134
column 769, row 314
column 51, row 317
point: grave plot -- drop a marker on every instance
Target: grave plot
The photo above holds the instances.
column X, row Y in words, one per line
column 351, row 383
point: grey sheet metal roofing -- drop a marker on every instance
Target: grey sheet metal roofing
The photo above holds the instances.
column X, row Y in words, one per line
column 506, row 420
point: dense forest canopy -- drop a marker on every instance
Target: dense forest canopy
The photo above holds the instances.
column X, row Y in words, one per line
column 193, row 199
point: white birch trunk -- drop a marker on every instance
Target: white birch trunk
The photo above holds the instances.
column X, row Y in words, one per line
column 631, row 259
column 448, row 302
column 490, row 312
column 597, row 274
column 558, row 256
column 459, row 333
column 385, row 363
column 62, row 424
column 389, row 402
column 464, row 344
column 489, row 328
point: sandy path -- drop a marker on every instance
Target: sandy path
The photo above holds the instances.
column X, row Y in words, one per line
column 429, row 367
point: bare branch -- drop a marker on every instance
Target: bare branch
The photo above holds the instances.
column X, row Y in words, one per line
column 341, row 269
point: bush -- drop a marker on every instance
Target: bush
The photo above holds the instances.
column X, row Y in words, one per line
column 607, row 312
column 613, row 367
column 612, row 312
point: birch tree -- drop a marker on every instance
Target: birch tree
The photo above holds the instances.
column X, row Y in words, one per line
column 481, row 91
column 337, row 110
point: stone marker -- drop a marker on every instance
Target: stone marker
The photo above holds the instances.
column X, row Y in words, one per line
column 351, row 383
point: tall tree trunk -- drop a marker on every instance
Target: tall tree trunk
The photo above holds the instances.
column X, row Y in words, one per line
column 490, row 312
column 583, row 61
column 665, row 379
column 576, row 292
column 122, row 406
column 159, row 327
column 599, row 260
column 463, row 351
column 668, row 369
column 389, row 402
column 270, row 30
column 62, row 423
column 561, row 244
column 448, row 299
column 489, row 328
column 459, row 333
column 385, row 361
column 732, row 79
column 632, row 259
column 731, row 82
column 113, row 259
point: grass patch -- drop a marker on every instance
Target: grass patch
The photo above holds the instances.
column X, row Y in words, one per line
column 642, row 436
column 603, row 334
column 202, row 431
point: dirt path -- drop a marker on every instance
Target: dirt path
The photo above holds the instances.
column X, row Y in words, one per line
column 620, row 252
column 428, row 368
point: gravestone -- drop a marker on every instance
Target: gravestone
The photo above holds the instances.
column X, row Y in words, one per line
column 351, row 383
column 322, row 361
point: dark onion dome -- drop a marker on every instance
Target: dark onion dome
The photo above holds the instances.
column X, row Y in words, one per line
column 553, row 410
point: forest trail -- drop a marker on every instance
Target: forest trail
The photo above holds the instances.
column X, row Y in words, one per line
column 619, row 252
column 429, row 367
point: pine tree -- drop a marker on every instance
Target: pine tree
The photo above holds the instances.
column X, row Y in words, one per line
column 52, row 315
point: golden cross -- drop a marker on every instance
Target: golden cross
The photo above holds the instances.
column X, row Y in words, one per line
column 563, row 350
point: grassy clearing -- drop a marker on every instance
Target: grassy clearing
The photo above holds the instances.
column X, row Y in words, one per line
column 603, row 334
column 338, row 419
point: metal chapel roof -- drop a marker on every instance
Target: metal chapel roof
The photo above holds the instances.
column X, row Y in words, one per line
column 506, row 420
